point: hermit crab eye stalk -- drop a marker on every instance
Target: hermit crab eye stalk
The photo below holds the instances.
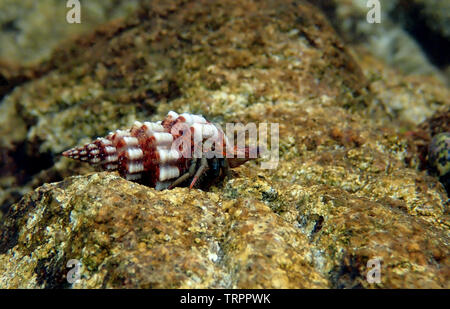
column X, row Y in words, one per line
column 165, row 154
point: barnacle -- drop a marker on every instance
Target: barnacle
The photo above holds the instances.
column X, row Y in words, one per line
column 439, row 158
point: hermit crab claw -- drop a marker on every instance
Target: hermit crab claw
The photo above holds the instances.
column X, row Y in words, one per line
column 242, row 155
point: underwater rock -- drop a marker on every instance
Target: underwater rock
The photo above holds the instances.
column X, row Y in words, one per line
column 126, row 235
column 340, row 196
column 129, row 235
column 136, row 70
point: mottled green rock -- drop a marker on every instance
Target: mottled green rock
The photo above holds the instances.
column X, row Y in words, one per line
column 129, row 235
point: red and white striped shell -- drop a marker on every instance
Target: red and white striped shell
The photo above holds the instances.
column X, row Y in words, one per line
column 145, row 153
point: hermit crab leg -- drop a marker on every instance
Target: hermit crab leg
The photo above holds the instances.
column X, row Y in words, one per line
column 185, row 176
column 215, row 166
column 225, row 168
column 200, row 171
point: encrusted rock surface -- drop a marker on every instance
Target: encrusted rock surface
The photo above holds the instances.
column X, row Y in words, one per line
column 347, row 188
column 129, row 235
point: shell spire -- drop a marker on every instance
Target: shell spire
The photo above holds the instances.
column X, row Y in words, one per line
column 100, row 151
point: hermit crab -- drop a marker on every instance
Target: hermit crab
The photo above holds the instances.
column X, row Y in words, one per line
column 181, row 149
